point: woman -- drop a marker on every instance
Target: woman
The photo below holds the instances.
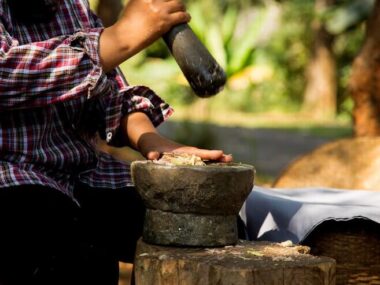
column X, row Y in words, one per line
column 68, row 212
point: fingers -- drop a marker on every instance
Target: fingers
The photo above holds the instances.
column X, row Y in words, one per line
column 175, row 6
column 208, row 154
column 226, row 158
column 177, row 13
column 152, row 146
column 214, row 155
column 205, row 154
column 153, row 155
column 179, row 18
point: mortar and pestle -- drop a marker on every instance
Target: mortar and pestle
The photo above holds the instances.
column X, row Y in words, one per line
column 192, row 205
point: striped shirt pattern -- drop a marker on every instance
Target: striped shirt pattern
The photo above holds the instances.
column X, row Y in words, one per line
column 55, row 97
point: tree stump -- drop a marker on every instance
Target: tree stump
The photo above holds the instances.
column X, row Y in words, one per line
column 242, row 264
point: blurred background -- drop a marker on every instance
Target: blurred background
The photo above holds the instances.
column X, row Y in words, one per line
column 289, row 66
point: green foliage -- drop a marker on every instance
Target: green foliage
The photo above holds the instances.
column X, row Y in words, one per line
column 264, row 47
column 289, row 50
column 228, row 31
column 235, row 37
column 240, row 50
column 348, row 14
column 346, row 48
column 163, row 76
column 231, row 35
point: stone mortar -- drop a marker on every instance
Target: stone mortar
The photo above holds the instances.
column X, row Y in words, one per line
column 192, row 205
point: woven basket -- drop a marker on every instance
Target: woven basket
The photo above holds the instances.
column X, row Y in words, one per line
column 355, row 245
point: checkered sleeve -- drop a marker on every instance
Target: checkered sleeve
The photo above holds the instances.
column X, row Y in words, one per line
column 121, row 100
column 51, row 71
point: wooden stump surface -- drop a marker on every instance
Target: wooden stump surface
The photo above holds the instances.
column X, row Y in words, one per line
column 245, row 263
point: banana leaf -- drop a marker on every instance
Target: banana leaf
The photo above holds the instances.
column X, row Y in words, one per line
column 229, row 23
column 241, row 49
column 214, row 42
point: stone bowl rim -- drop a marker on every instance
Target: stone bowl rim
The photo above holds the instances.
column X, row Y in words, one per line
column 214, row 166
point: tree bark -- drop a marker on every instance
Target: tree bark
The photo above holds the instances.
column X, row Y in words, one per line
column 365, row 80
column 321, row 87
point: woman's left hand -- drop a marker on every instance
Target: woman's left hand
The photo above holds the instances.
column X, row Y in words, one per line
column 143, row 137
column 152, row 145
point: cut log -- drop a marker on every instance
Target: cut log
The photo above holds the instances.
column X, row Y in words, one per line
column 242, row 264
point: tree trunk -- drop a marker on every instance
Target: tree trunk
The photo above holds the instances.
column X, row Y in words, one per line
column 321, row 87
column 365, row 80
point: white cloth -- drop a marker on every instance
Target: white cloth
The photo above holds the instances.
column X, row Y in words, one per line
column 292, row 214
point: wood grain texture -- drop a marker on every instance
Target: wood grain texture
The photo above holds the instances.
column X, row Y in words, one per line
column 246, row 263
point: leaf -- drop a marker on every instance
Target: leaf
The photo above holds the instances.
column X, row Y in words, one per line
column 244, row 46
column 198, row 20
column 229, row 23
column 214, row 42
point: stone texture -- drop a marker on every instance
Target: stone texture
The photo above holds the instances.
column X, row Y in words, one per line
column 192, row 205
column 167, row 228
column 216, row 189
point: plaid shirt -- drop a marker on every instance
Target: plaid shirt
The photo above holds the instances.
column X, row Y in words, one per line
column 54, row 98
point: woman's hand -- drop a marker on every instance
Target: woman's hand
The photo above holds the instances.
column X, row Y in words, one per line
column 148, row 20
column 142, row 136
column 153, row 145
column 142, row 22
